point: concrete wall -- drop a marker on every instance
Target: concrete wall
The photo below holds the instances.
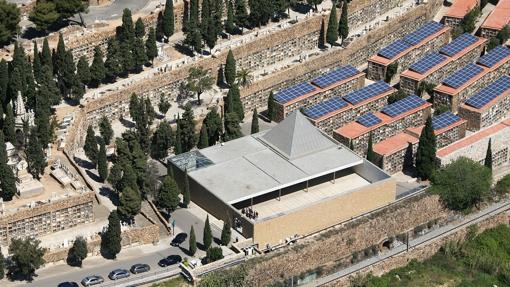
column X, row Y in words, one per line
column 478, row 119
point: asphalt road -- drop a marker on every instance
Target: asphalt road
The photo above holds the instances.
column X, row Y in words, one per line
column 114, row 10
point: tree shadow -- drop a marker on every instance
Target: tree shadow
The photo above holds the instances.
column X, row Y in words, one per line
column 86, row 164
column 111, row 194
column 185, row 251
column 93, row 176
column 15, row 275
column 128, row 124
column 217, row 241
column 185, row 50
column 301, row 8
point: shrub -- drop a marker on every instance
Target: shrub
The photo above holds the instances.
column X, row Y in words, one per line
column 214, row 253
column 503, row 185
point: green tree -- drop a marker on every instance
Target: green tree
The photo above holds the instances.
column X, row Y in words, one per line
column 111, row 238
column 255, row 122
column 139, row 28
column 97, row 69
column 214, row 254
column 26, row 257
column 159, row 27
column 35, row 155
column 233, row 103
column 214, row 125
column 46, row 59
column 199, row 81
column 230, row 69
column 468, row 23
column 9, row 20
column 68, row 8
column 208, row 237
column 8, row 124
column 168, row 195
column 314, row 3
column 332, row 32
column 229, row 22
column 426, row 153
column 4, row 80
column 343, row 24
column 168, row 19
column 187, row 129
column 241, row 14
column 150, row 45
column 186, row 196
column 163, row 105
column 115, row 176
column 192, row 249
column 78, row 252
column 139, row 55
column 178, row 139
column 462, row 184
column 102, row 162
column 83, row 70
column 370, row 149
column 271, row 111
column 225, row 233
column 162, row 140
column 244, row 77
column 44, row 15
column 90, row 146
column 232, row 127
column 105, row 128
column 130, row 203
column 322, row 35
column 2, row 266
column 8, row 182
column 36, row 63
column 203, row 140
column 488, row 156
column 113, row 64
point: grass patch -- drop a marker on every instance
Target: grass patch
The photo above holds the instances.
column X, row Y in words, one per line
column 176, row 282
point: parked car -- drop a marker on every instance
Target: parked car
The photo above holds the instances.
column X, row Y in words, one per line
column 118, row 274
column 178, row 239
column 92, row 280
column 140, row 268
column 170, row 260
column 68, row 284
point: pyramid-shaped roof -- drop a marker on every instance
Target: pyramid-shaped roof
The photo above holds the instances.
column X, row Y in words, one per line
column 295, row 136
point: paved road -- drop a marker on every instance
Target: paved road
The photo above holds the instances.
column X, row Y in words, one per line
column 114, row 10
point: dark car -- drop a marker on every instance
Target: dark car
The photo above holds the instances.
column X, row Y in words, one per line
column 92, row 280
column 170, row 260
column 68, row 284
column 139, row 268
column 118, row 274
column 178, row 239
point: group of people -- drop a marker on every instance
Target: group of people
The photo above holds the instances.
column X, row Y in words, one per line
column 250, row 213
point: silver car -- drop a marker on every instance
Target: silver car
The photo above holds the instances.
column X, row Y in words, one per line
column 118, row 274
column 92, row 280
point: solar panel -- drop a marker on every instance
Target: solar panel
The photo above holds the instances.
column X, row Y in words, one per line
column 494, row 56
column 489, row 93
column 460, row 43
column 367, row 92
column 335, row 76
column 406, row 104
column 443, row 120
column 423, row 32
column 393, row 49
column 428, row 62
column 325, row 108
column 293, row 92
column 462, row 76
column 369, row 120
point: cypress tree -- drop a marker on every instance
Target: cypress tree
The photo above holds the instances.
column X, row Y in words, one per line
column 186, row 196
column 270, row 107
column 90, row 146
column 111, row 238
column 168, row 195
column 241, row 14
column 4, row 81
column 187, row 129
column 426, row 153
column 126, row 32
column 332, row 32
column 488, row 156
column 46, row 58
column 2, row 266
column 105, row 129
column 238, row 108
column 35, row 156
column 225, row 233
column 127, row 59
column 139, row 55
column 232, row 127
column 207, row 240
column 178, row 140
column 8, row 181
column 8, row 127
column 78, row 252
column 214, row 124
column 102, row 163
column 408, row 158
column 168, row 19
column 192, row 242
column 83, row 70
column 130, row 203
column 203, row 141
column 150, row 45
column 15, row 83
column 37, row 65
column 230, row 69
column 97, row 69
column 343, row 24
column 217, row 16
column 370, row 150
column 139, row 28
column 205, row 14
column 229, row 23
column 113, row 63
column 30, row 88
column 255, row 122
column 322, row 35
column 159, row 27
column 60, row 56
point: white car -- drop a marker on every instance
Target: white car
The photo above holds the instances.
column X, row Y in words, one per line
column 92, row 280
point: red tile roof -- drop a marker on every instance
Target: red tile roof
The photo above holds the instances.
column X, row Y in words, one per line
column 460, row 8
column 499, row 17
column 395, row 143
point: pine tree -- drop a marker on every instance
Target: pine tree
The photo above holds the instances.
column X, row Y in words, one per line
column 370, row 150
column 83, row 70
column 8, row 181
column 90, row 146
column 111, row 238
column 186, row 196
column 113, row 63
column 168, row 19
column 203, row 141
column 78, row 252
column 150, row 45
column 255, row 122
column 208, row 237
column 102, row 163
column 192, row 242
column 488, row 156
column 230, row 69
column 322, row 35
column 35, row 156
column 213, row 123
column 241, row 14
column 332, row 32
column 162, row 140
column 168, row 195
column 127, row 59
column 139, row 28
column 97, row 69
column 139, row 55
column 232, row 127
column 225, row 233
column 426, row 153
column 159, row 27
column 229, row 23
column 163, row 105
column 343, row 24
column 130, row 203
column 271, row 113
column 126, row 33
column 8, row 126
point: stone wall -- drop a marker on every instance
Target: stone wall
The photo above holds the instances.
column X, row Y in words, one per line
column 336, row 245
column 450, row 136
column 487, row 116
column 393, row 163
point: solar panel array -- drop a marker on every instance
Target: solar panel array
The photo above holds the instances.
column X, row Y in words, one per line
column 406, row 104
column 428, row 62
column 494, row 56
column 443, row 120
column 460, row 43
column 335, row 76
column 325, row 108
column 393, row 49
column 293, row 92
column 423, row 32
column 462, row 76
column 489, row 93
column 367, row 92
column 369, row 120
